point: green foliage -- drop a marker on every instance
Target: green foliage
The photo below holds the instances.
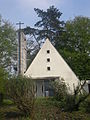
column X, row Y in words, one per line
column 7, row 48
column 59, row 87
column 78, row 34
column 3, row 79
column 85, row 106
column 49, row 24
column 76, row 47
column 67, row 101
column 21, row 91
column 45, row 108
column 7, row 43
column 7, row 102
column 79, row 62
column 8, row 111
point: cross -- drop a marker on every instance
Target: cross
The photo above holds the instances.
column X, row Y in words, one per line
column 19, row 23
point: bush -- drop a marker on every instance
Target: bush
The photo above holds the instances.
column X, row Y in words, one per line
column 85, row 106
column 21, row 91
column 60, row 89
column 46, row 110
column 69, row 102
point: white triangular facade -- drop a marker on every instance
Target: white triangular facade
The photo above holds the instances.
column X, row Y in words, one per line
column 48, row 63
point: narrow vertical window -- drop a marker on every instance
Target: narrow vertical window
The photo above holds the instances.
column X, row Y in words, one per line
column 48, row 59
column 48, row 68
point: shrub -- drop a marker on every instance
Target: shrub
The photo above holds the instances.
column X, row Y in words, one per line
column 69, row 102
column 60, row 89
column 21, row 91
column 85, row 105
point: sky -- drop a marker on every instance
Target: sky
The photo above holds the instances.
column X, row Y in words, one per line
column 23, row 10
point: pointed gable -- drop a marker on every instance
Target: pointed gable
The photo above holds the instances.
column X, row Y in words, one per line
column 48, row 63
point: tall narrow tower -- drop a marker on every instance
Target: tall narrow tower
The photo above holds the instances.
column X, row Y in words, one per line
column 22, row 53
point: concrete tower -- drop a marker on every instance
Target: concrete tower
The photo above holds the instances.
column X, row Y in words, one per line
column 22, row 54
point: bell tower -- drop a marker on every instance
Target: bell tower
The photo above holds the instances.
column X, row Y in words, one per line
column 21, row 54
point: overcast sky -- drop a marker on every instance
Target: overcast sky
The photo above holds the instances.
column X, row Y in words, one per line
column 23, row 10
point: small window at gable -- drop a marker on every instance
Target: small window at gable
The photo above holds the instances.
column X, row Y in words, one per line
column 48, row 59
column 48, row 51
column 48, row 68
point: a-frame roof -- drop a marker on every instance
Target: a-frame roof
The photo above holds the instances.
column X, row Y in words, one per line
column 48, row 63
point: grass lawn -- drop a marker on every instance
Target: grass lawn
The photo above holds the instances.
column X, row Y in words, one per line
column 45, row 109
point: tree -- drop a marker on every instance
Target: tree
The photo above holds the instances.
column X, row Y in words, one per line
column 78, row 34
column 7, row 52
column 76, row 47
column 7, row 47
column 21, row 91
column 7, row 43
column 49, row 26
